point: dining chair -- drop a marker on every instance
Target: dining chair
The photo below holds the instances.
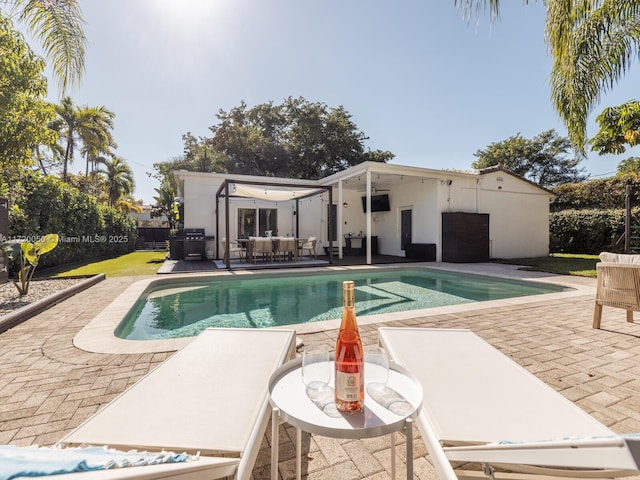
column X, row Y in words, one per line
column 310, row 245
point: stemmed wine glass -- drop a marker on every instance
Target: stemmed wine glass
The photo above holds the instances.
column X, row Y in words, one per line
column 376, row 368
column 316, row 370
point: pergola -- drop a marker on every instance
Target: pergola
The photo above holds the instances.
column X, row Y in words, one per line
column 268, row 191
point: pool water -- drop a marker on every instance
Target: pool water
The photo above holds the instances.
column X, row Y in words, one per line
column 184, row 309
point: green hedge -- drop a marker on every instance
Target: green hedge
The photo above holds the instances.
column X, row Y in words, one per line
column 87, row 230
column 589, row 230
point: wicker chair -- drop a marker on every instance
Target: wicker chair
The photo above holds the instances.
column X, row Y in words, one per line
column 619, row 287
column 310, row 245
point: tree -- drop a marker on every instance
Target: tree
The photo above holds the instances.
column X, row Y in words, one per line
column 542, row 160
column 96, row 138
column 629, row 165
column 25, row 113
column 165, row 201
column 619, row 126
column 592, row 44
column 57, row 25
column 298, row 139
column 75, row 123
column 119, row 178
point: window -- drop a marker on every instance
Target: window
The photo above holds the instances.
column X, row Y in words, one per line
column 268, row 221
column 246, row 222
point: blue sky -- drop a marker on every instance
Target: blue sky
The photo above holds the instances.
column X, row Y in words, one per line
column 418, row 79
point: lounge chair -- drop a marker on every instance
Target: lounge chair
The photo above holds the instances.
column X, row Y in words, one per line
column 475, row 397
column 618, row 284
column 210, row 397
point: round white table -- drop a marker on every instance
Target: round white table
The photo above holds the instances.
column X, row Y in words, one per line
column 291, row 404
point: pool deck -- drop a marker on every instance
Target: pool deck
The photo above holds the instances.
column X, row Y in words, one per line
column 48, row 386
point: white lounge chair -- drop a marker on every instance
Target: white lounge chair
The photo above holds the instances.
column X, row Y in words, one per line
column 210, row 397
column 476, row 397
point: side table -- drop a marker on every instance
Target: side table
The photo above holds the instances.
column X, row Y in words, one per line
column 291, row 404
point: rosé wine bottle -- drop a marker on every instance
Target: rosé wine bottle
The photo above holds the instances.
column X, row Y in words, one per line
column 349, row 378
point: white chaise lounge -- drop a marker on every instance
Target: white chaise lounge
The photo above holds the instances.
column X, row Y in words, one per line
column 475, row 397
column 210, row 397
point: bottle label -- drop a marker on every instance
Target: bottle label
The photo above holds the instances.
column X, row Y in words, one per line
column 348, row 386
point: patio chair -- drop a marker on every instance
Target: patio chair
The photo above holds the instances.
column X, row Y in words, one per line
column 206, row 398
column 287, row 249
column 476, row 398
column 618, row 285
column 263, row 247
column 310, row 245
column 234, row 249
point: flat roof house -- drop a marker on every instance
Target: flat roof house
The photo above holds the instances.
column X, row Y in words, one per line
column 441, row 215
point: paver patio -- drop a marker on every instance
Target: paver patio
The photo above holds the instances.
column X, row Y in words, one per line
column 47, row 386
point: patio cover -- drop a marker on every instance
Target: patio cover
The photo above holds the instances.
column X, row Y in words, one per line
column 269, row 191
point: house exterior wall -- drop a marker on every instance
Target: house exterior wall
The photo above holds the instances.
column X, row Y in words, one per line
column 519, row 216
column 518, row 210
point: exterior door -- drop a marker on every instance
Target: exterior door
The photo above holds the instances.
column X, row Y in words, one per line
column 405, row 228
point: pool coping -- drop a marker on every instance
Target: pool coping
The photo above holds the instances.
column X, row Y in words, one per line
column 98, row 337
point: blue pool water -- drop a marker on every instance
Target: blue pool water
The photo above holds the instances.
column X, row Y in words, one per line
column 183, row 309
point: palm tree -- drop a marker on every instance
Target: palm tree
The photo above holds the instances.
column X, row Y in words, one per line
column 57, row 25
column 592, row 43
column 119, row 179
column 75, row 124
column 95, row 133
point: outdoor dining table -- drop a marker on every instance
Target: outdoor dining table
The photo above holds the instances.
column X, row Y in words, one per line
column 276, row 246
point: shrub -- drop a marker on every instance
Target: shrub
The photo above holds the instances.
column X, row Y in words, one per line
column 588, row 230
column 87, row 230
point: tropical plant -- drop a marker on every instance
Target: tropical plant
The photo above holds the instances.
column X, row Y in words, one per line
column 57, row 25
column 165, row 203
column 28, row 255
column 119, row 179
column 619, row 126
column 91, row 125
column 592, row 44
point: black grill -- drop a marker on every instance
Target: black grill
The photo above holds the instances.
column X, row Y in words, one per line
column 194, row 243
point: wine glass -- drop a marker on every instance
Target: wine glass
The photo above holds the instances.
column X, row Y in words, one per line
column 316, row 370
column 376, row 368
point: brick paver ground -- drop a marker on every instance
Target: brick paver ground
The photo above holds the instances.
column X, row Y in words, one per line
column 47, row 386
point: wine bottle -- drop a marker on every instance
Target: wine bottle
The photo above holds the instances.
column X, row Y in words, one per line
column 349, row 374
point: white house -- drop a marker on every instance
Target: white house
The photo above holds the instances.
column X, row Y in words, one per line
column 397, row 210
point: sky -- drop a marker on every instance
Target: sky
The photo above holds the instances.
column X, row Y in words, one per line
column 417, row 78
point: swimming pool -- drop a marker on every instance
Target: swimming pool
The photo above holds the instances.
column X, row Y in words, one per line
column 184, row 309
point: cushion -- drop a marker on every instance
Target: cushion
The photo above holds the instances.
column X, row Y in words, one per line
column 625, row 259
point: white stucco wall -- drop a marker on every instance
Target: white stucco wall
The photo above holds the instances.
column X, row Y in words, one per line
column 518, row 216
column 518, row 210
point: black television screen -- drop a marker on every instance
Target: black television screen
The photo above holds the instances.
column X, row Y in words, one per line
column 379, row 203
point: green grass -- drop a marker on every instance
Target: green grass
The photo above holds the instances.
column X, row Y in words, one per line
column 147, row 263
column 562, row 263
column 136, row 263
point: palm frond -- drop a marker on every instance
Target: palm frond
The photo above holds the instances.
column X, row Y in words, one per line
column 58, row 26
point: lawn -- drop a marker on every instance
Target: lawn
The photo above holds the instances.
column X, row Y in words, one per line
column 562, row 263
column 147, row 263
column 136, row 263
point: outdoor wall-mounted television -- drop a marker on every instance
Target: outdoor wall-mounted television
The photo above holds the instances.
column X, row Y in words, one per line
column 379, row 203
